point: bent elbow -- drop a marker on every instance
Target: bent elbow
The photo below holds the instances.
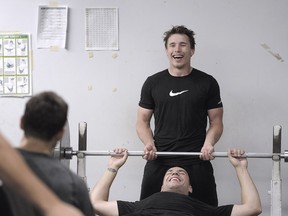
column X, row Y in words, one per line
column 259, row 211
column 256, row 210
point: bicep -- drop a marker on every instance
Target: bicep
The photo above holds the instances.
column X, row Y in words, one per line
column 144, row 115
column 238, row 210
column 215, row 115
column 106, row 208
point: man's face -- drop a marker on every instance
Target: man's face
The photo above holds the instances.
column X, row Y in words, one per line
column 179, row 51
column 176, row 180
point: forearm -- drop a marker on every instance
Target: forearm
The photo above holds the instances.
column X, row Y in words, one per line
column 215, row 129
column 143, row 127
column 145, row 133
column 100, row 195
column 214, row 133
column 102, row 188
column 249, row 194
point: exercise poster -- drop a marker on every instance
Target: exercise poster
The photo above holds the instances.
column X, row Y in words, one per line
column 15, row 65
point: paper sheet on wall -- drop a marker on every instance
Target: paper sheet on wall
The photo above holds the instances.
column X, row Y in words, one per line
column 15, row 65
column 52, row 26
column 101, row 29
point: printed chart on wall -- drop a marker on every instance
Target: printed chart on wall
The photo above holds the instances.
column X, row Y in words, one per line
column 101, row 29
column 15, row 65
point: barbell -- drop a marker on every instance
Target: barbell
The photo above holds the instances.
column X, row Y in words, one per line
column 65, row 152
column 68, row 153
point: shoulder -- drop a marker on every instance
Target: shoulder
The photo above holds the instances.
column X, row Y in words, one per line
column 34, row 159
column 203, row 77
column 125, row 207
column 153, row 80
column 224, row 210
column 78, row 181
column 199, row 73
column 159, row 75
column 45, row 166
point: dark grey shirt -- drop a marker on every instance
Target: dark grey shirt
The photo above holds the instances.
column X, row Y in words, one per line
column 67, row 185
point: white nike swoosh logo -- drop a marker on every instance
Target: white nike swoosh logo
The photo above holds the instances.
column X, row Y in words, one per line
column 172, row 94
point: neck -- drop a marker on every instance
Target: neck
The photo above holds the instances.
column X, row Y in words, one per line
column 176, row 191
column 37, row 145
column 180, row 71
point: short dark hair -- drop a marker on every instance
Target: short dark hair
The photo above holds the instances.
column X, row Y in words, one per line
column 44, row 116
column 180, row 30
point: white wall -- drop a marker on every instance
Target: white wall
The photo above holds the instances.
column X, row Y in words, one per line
column 229, row 35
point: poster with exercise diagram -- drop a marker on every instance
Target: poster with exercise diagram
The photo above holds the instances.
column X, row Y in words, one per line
column 15, row 65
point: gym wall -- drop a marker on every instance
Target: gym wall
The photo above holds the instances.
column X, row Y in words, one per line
column 243, row 44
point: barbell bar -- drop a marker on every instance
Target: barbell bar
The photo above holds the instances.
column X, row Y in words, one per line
column 64, row 152
column 68, row 153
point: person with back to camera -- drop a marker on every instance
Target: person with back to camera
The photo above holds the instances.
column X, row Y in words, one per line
column 28, row 186
column 43, row 124
column 173, row 200
column 180, row 98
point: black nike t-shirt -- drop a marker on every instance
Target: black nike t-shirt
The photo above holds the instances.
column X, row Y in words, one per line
column 180, row 106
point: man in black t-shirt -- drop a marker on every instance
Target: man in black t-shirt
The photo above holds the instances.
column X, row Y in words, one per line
column 173, row 200
column 182, row 100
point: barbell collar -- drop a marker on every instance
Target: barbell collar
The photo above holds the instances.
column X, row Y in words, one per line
column 286, row 155
column 67, row 153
